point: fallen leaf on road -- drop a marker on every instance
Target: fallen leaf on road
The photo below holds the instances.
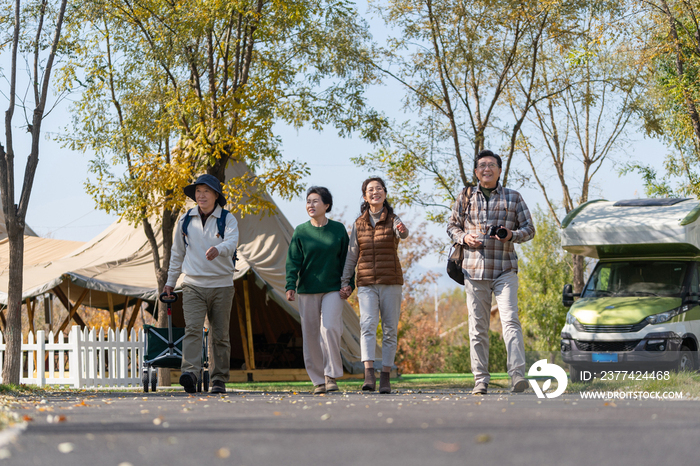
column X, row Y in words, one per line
column 65, row 447
column 26, row 418
column 448, row 447
column 158, row 421
column 4, row 453
column 223, row 453
column 55, row 419
column 82, row 403
column 145, row 411
column 483, row 438
column 277, row 413
column 125, row 463
column 325, row 417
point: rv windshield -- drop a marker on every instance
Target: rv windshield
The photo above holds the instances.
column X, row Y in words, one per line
column 636, row 278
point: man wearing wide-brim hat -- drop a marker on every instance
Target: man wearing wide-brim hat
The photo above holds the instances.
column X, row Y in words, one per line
column 206, row 259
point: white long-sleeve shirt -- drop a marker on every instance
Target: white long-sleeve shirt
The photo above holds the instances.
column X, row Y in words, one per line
column 192, row 260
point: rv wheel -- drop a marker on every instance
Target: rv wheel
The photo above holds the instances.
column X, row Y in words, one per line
column 685, row 361
column 574, row 374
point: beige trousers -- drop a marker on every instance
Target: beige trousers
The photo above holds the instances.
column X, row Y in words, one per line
column 479, row 292
column 214, row 304
column 322, row 326
column 379, row 301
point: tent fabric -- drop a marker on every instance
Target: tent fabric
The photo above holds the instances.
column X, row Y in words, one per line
column 119, row 261
column 3, row 231
column 37, row 251
column 603, row 225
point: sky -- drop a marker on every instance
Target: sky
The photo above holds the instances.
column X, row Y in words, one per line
column 61, row 209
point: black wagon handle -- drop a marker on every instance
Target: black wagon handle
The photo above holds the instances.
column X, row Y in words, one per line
column 164, row 298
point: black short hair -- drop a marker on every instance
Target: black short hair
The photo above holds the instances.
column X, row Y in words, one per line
column 487, row 153
column 326, row 196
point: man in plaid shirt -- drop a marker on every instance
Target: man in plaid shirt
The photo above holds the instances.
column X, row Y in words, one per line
column 491, row 266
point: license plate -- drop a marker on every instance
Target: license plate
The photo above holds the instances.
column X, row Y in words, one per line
column 604, row 357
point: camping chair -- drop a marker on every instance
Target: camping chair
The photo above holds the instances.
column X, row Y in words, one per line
column 163, row 348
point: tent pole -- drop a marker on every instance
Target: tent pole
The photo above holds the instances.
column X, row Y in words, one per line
column 241, row 326
column 66, row 303
column 2, row 317
column 110, row 304
column 30, row 314
column 30, row 318
column 72, row 310
column 123, row 317
column 134, row 315
column 249, row 324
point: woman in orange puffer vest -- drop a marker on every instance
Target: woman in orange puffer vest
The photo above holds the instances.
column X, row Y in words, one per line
column 373, row 248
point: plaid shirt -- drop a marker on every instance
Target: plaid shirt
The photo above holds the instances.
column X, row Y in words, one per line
column 505, row 207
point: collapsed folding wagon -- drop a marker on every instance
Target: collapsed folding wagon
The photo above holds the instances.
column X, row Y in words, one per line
column 163, row 348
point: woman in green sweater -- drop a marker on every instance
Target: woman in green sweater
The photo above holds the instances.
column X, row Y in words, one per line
column 315, row 261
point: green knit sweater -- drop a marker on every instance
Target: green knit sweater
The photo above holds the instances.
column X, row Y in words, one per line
column 316, row 257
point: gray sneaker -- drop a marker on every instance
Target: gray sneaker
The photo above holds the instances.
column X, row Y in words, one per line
column 331, row 384
column 518, row 384
column 480, row 388
column 319, row 389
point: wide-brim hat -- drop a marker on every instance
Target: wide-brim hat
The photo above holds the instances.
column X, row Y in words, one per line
column 210, row 181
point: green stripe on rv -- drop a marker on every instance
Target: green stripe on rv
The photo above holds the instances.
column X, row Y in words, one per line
column 621, row 310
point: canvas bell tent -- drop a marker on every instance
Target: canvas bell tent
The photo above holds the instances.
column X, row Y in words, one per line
column 114, row 271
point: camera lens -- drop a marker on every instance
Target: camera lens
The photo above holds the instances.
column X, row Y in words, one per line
column 502, row 233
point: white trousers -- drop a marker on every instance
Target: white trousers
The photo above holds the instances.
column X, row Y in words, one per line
column 479, row 292
column 322, row 327
column 379, row 301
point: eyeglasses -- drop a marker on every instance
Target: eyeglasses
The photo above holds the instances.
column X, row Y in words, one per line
column 377, row 190
column 482, row 166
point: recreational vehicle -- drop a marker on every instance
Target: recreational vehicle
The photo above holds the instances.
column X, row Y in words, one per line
column 640, row 308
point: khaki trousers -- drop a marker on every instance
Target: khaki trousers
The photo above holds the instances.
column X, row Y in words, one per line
column 479, row 292
column 322, row 326
column 214, row 304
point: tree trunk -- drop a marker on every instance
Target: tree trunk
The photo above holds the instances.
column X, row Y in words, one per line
column 579, row 269
column 13, row 328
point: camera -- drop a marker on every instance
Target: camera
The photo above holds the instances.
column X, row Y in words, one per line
column 498, row 231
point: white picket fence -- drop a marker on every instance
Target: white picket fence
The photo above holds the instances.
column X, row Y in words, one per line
column 87, row 360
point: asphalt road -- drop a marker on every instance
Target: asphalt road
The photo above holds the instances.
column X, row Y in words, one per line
column 405, row 428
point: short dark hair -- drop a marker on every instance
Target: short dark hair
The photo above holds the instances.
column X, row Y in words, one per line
column 487, row 153
column 326, row 196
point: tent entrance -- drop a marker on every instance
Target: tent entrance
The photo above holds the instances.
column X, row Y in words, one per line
column 263, row 334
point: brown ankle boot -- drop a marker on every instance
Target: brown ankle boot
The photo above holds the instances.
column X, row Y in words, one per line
column 384, row 383
column 370, row 380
